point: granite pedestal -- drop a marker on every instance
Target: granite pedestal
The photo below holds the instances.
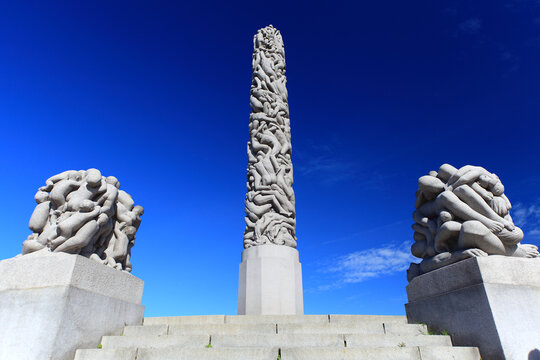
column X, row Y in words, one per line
column 489, row 302
column 54, row 303
column 270, row 281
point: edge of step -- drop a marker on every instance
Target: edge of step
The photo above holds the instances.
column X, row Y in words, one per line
column 272, row 319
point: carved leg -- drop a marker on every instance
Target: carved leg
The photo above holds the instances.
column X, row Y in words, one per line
column 477, row 203
column 447, row 258
column 450, row 201
column 80, row 240
column 447, row 236
column 475, row 235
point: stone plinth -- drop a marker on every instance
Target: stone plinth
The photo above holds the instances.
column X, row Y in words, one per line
column 270, row 281
column 489, row 302
column 53, row 303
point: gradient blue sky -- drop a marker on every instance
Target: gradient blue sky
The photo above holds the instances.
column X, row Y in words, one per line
column 157, row 94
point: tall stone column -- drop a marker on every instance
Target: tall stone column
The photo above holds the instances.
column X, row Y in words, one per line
column 270, row 281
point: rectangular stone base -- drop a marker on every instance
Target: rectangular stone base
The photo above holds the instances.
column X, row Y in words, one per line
column 53, row 303
column 489, row 302
column 270, row 281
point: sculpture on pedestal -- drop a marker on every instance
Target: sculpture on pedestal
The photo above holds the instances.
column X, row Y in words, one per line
column 82, row 212
column 461, row 214
column 270, row 205
column 270, row 274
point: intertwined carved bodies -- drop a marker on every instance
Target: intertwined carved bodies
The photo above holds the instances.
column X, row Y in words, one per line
column 270, row 202
column 463, row 213
column 82, row 212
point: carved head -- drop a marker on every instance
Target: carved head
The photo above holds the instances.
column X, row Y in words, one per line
column 113, row 181
column 93, row 177
column 87, row 206
column 492, row 183
column 76, row 175
column 130, row 231
column 138, row 210
column 445, row 216
column 497, row 189
column 41, row 196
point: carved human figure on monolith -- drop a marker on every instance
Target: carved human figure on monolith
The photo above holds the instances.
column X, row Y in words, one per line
column 462, row 213
column 270, row 204
column 85, row 213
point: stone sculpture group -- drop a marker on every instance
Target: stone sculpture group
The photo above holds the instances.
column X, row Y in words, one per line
column 460, row 214
column 85, row 213
column 270, row 205
column 463, row 213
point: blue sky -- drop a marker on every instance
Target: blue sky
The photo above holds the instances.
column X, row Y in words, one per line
column 157, row 94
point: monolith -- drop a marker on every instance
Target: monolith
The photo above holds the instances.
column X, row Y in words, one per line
column 270, row 280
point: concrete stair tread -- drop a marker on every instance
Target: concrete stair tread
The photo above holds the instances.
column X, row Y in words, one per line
column 287, row 353
column 354, row 328
column 271, row 319
column 382, row 353
column 275, row 340
column 370, row 327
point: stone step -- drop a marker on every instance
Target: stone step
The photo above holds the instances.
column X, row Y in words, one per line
column 354, row 328
column 176, row 353
column 339, row 319
column 102, row 354
column 301, row 353
column 367, row 327
column 385, row 353
column 275, row 340
column 175, row 320
column 355, row 340
column 270, row 319
column 203, row 329
column 144, row 341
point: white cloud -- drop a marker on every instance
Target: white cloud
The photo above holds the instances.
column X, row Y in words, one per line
column 527, row 217
column 371, row 263
column 470, row 26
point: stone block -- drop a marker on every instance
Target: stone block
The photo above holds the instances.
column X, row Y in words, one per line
column 231, row 329
column 187, row 341
column 358, row 328
column 449, row 353
column 276, row 319
column 379, row 353
column 146, row 330
column 270, row 281
column 356, row 340
column 489, row 302
column 178, row 320
column 351, row 319
column 112, row 354
column 174, row 353
column 54, row 303
column 278, row 340
column 405, row 329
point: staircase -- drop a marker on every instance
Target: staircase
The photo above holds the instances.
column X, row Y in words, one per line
column 285, row 337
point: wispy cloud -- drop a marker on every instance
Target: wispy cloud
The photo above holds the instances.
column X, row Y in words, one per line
column 477, row 26
column 367, row 264
column 469, row 26
column 330, row 163
column 527, row 217
column 517, row 5
column 332, row 168
column 324, row 162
